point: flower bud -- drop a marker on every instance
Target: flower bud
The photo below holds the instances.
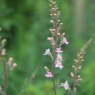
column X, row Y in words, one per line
column 10, row 60
column 58, row 20
column 79, row 67
column 3, row 42
column 46, row 68
column 53, row 9
column 3, row 52
column 50, row 14
column 51, row 21
column 73, row 66
column 61, row 23
column 55, row 14
column 13, row 66
column 62, row 35
column 72, row 74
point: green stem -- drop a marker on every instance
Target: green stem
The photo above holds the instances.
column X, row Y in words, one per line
column 4, row 70
column 53, row 79
column 55, row 91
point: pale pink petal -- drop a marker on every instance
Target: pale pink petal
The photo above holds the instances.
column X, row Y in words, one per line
column 65, row 85
column 65, row 41
column 58, row 50
column 49, row 74
column 59, row 65
column 59, row 57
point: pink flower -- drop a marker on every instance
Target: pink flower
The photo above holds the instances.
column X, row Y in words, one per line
column 65, row 41
column 65, row 85
column 59, row 57
column 58, row 50
column 49, row 74
column 58, row 64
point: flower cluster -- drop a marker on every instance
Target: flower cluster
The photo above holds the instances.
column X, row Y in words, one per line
column 56, row 40
column 4, row 63
column 10, row 63
column 58, row 63
column 77, row 66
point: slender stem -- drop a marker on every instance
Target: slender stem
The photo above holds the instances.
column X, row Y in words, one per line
column 74, row 84
column 53, row 79
column 55, row 55
column 4, row 70
column 54, row 83
column 67, row 92
column 53, row 65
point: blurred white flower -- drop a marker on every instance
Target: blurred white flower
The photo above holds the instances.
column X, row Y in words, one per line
column 65, row 85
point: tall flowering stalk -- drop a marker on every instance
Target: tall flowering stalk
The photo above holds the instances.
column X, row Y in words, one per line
column 57, row 40
column 11, row 66
column 77, row 66
column 2, row 53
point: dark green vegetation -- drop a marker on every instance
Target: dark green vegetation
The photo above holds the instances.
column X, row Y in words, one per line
column 25, row 25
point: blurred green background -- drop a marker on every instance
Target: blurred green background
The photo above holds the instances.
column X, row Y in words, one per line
column 25, row 25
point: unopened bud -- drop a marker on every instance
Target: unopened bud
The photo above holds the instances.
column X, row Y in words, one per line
column 3, row 42
column 54, row 2
column 58, row 20
column 51, row 21
column 76, row 60
column 46, row 68
column 61, row 23
column 78, row 76
column 49, row 38
column 55, row 14
column 53, row 30
column 10, row 61
column 73, row 66
column 72, row 74
column 53, row 9
column 50, row 14
column 79, row 67
column 50, row 30
column 13, row 66
column 62, row 35
column 58, row 34
column 3, row 52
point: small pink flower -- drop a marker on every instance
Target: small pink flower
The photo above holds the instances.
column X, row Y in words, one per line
column 59, row 64
column 65, row 85
column 49, row 74
column 58, row 50
column 59, row 57
column 65, row 41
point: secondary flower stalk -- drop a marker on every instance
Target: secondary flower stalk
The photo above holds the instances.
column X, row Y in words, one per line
column 9, row 63
column 77, row 66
